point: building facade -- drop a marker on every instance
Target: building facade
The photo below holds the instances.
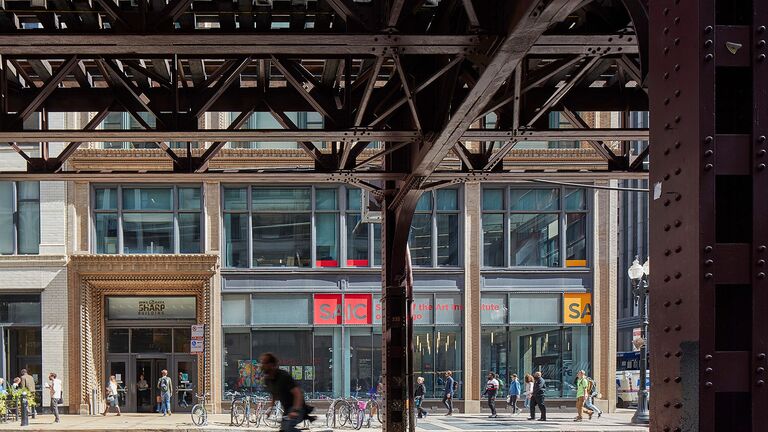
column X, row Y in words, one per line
column 508, row 277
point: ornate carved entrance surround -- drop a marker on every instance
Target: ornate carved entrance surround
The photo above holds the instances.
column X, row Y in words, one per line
column 93, row 277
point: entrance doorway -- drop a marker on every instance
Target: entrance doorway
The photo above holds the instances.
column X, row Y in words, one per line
column 147, row 373
column 137, row 376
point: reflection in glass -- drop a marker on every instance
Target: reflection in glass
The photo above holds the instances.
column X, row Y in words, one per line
column 148, row 233
column 117, row 340
column 189, row 233
column 236, row 240
column 281, row 240
column 7, row 231
column 237, row 351
column 151, row 340
column 493, row 240
column 357, row 241
column 576, row 239
column 281, row 199
column 327, row 239
column 420, row 239
column 534, row 199
column 534, row 240
column 106, row 233
column 147, row 199
column 447, row 239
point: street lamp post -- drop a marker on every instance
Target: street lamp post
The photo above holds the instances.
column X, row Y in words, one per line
column 639, row 276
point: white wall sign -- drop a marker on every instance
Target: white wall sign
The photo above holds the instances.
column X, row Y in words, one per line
column 196, row 346
column 151, row 308
column 198, row 331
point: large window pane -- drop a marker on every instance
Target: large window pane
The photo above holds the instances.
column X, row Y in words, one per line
column 493, row 309
column 424, row 359
column 493, row 240
column 575, row 199
column 281, row 240
column 534, row 199
column 235, row 198
column 357, row 242
column 106, row 199
column 284, row 344
column 425, row 202
column 190, row 198
column 117, row 341
column 377, row 245
column 148, row 233
column 281, row 199
column 325, row 199
column 420, row 239
column 361, row 361
column 327, row 239
column 7, row 232
column 534, row 309
column 448, row 309
column 494, row 356
column 576, row 354
column 422, row 309
column 189, row 233
column 447, row 239
column 147, row 199
column 29, row 190
column 540, row 349
column 448, row 356
column 280, row 310
column 447, row 199
column 239, row 367
column 534, row 240
column 20, row 309
column 493, row 199
column 106, row 233
column 353, row 199
column 576, row 240
column 236, row 240
column 29, row 227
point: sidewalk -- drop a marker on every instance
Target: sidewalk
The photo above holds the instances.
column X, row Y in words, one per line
column 559, row 421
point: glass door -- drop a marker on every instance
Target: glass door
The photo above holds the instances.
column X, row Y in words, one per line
column 118, row 366
column 186, row 383
column 146, row 376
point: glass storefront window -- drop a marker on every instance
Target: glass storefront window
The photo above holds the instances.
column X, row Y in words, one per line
column 234, row 310
column 281, row 240
column 558, row 352
column 181, row 338
column 493, row 309
column 285, row 344
column 327, row 240
column 420, row 240
column 239, row 369
column 236, row 239
column 434, row 237
column 534, row 309
column 154, row 220
column 21, row 309
column 528, row 232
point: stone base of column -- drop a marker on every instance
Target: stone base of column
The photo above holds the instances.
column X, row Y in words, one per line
column 85, row 409
column 471, row 406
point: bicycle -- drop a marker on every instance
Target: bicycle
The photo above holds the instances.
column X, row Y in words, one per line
column 199, row 413
column 273, row 415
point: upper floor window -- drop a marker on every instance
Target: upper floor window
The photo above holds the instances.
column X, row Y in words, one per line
column 522, row 227
column 19, row 217
column 296, row 227
column 434, row 237
column 147, row 219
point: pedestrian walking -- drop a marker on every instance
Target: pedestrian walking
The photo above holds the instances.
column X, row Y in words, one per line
column 54, row 387
column 418, row 397
column 16, row 383
column 448, row 392
column 491, row 388
column 581, row 394
column 537, row 397
column 284, row 388
column 514, row 392
column 591, row 395
column 28, row 384
column 111, row 396
column 165, row 386
column 528, row 389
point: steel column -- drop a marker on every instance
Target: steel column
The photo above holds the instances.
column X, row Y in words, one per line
column 708, row 208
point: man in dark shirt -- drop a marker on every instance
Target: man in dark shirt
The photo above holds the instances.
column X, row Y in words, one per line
column 537, row 397
column 283, row 388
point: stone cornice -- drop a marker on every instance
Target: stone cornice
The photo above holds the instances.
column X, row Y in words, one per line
column 200, row 265
column 16, row 261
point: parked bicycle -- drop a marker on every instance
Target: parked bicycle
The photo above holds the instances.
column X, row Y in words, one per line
column 199, row 412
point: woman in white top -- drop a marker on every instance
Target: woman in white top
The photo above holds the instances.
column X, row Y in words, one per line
column 528, row 389
column 112, row 396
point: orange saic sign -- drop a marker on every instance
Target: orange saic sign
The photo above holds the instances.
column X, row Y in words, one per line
column 577, row 308
column 327, row 308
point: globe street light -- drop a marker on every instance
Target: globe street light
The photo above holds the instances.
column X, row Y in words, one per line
column 638, row 274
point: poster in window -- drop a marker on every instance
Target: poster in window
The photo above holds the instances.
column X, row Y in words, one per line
column 297, row 373
column 309, row 373
column 249, row 373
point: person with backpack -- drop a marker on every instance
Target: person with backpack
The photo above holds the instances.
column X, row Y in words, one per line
column 581, row 396
column 514, row 392
column 165, row 386
column 592, row 393
column 449, row 391
column 491, row 388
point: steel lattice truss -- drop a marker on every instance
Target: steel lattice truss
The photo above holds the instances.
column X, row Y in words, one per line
column 454, row 84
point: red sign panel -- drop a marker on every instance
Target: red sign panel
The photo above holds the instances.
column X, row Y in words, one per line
column 357, row 309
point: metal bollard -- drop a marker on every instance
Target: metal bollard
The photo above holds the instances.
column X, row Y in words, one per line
column 23, row 408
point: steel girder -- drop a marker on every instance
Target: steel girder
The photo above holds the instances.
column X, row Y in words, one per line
column 708, row 291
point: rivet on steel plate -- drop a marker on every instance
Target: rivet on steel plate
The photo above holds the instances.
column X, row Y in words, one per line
column 667, row 329
column 761, row 43
column 761, row 29
column 707, row 275
column 761, row 275
column 760, row 370
column 761, row 356
column 667, row 278
column 667, row 304
column 678, row 405
column 678, row 249
column 679, row 301
column 666, row 379
column 678, row 275
column 678, row 222
column 708, row 370
column 761, row 166
column 708, row 43
column 678, row 327
column 708, row 57
column 667, row 227
column 761, row 262
column 708, row 384
column 708, row 29
column 667, row 354
column 678, row 354
column 708, row 139
column 761, row 139
column 708, row 153
column 708, row 262
column 761, row 248
column 707, row 248
column 708, row 357
column 761, row 57
column 761, row 152
column 667, row 404
column 760, row 382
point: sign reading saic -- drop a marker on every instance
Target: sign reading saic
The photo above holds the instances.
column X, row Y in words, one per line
column 327, row 308
column 151, row 308
column 577, row 308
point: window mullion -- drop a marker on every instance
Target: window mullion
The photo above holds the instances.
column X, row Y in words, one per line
column 120, row 219
column 249, row 212
column 434, row 228
column 312, row 231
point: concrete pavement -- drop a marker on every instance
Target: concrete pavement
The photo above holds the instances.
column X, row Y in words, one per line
column 181, row 422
